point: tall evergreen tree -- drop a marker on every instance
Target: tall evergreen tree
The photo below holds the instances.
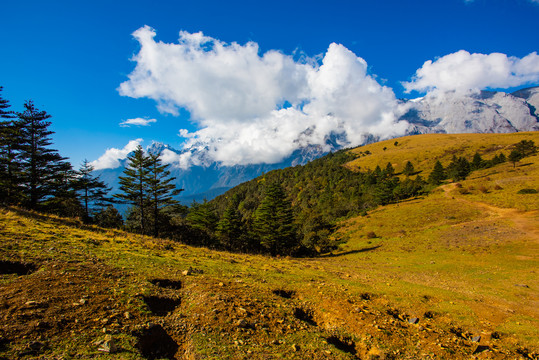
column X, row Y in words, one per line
column 160, row 189
column 230, row 227
column 408, row 169
column 9, row 147
column 273, row 222
column 438, row 174
column 135, row 185
column 91, row 189
column 39, row 163
column 459, row 168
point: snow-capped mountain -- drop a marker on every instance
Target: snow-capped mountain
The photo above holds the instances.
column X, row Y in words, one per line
column 481, row 112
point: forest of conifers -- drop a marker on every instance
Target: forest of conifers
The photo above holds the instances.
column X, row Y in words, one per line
column 292, row 211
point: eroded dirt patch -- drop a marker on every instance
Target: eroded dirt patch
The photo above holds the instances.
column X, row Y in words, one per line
column 156, row 343
column 16, row 267
column 305, row 315
column 167, row 283
column 160, row 305
column 343, row 343
column 287, row 294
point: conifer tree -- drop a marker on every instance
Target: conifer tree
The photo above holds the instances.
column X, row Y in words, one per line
column 91, row 189
column 160, row 189
column 230, row 227
column 9, row 146
column 438, row 174
column 408, row 169
column 202, row 218
column 273, row 222
column 459, row 168
column 39, row 164
column 477, row 162
column 135, row 185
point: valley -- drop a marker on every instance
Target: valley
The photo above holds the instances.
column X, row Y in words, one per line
column 451, row 274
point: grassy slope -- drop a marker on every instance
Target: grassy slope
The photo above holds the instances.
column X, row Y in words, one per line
column 461, row 258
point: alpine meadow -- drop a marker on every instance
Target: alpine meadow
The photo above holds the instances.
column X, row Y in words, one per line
column 345, row 180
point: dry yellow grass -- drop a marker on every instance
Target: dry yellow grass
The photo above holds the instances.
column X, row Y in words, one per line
column 464, row 264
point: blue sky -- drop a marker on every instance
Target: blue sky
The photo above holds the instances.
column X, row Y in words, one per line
column 71, row 57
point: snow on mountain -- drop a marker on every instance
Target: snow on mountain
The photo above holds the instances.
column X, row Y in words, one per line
column 473, row 112
column 450, row 112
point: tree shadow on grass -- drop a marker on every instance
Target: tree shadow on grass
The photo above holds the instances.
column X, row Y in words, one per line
column 331, row 255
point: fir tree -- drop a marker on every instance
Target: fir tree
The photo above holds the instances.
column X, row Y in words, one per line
column 91, row 189
column 438, row 174
column 459, row 168
column 39, row 164
column 135, row 185
column 477, row 162
column 109, row 217
column 515, row 156
column 9, row 155
column 202, row 218
column 408, row 169
column 273, row 222
column 160, row 189
column 230, row 227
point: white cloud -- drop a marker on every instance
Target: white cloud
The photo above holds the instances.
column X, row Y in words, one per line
column 462, row 71
column 112, row 156
column 236, row 96
column 137, row 122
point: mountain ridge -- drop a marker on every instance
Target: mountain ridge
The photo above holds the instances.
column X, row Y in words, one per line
column 474, row 112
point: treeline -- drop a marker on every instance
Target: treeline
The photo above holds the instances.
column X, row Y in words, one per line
column 294, row 211
column 35, row 176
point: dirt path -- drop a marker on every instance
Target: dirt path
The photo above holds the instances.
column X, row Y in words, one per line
column 525, row 221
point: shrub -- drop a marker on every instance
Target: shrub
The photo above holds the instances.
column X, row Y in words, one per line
column 483, row 189
column 527, row 191
column 498, row 187
column 371, row 235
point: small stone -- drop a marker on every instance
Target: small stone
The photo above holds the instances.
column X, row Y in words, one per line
column 83, row 301
column 476, row 338
column 242, row 323
column 413, row 320
column 108, row 346
column 128, row 315
column 31, row 303
column 221, row 284
column 104, row 321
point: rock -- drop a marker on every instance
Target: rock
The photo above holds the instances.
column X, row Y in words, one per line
column 128, row 315
column 108, row 345
column 413, row 320
column 242, row 323
column 476, row 338
column 221, row 284
column 522, row 285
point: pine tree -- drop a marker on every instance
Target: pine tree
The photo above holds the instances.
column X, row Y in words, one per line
column 459, row 168
column 9, row 155
column 135, row 185
column 91, row 189
column 438, row 174
column 477, row 162
column 408, row 169
column 273, row 222
column 160, row 189
column 515, row 156
column 230, row 227
column 39, row 164
column 109, row 217
column 203, row 219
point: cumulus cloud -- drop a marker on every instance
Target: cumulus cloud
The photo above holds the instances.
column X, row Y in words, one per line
column 137, row 122
column 252, row 107
column 462, row 71
column 112, row 156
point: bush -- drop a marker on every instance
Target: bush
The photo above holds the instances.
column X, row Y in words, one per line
column 371, row 235
column 527, row 191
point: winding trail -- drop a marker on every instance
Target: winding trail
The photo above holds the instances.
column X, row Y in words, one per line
column 525, row 221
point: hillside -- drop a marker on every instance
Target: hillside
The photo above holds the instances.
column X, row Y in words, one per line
column 450, row 275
